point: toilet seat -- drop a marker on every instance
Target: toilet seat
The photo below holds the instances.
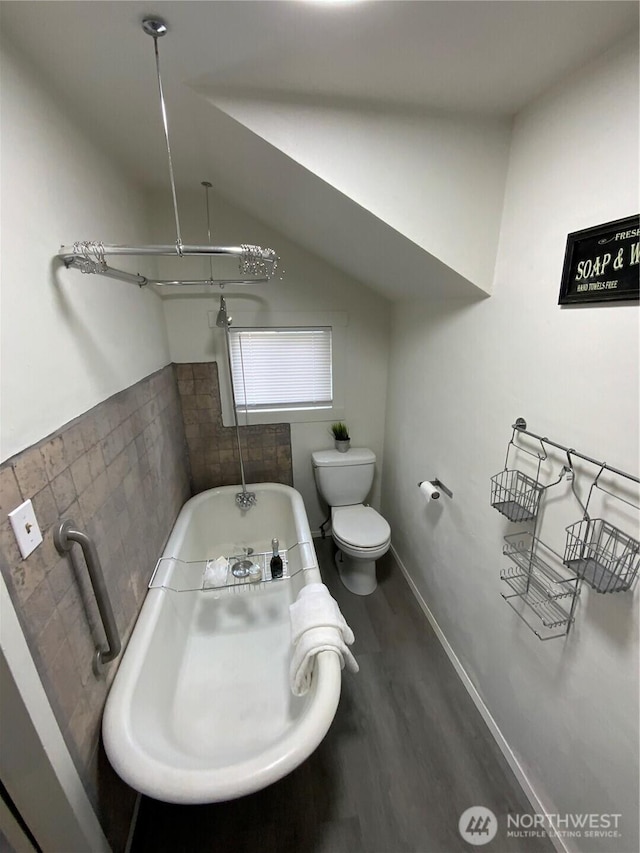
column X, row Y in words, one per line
column 367, row 556
column 359, row 528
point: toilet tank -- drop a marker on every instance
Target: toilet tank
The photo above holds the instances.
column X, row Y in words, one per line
column 344, row 479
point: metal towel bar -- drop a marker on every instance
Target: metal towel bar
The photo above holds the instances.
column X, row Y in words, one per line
column 64, row 537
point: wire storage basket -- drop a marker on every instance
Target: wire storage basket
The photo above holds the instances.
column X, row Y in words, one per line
column 515, row 495
column 603, row 555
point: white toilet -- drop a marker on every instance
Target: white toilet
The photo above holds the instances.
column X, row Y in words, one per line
column 361, row 534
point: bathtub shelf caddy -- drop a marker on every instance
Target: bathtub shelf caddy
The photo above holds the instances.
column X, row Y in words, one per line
column 540, row 581
column 189, row 576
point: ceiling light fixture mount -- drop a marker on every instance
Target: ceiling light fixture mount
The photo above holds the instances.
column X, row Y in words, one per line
column 154, row 27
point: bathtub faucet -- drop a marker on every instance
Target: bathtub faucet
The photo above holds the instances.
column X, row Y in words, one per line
column 246, row 500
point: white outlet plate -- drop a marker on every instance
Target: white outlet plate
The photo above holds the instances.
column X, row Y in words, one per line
column 26, row 528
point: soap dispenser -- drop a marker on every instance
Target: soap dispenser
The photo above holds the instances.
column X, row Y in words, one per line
column 276, row 560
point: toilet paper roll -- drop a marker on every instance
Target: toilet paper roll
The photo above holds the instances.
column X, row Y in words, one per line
column 429, row 491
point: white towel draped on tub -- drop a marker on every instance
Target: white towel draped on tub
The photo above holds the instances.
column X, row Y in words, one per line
column 317, row 625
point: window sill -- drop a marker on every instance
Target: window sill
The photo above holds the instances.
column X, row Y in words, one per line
column 286, row 416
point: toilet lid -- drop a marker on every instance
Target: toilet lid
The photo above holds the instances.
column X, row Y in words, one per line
column 360, row 526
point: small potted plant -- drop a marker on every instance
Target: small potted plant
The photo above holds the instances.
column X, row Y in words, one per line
column 341, row 436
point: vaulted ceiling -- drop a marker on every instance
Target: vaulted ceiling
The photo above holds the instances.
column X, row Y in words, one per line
column 245, row 81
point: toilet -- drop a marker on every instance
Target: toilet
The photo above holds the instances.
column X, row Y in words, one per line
column 361, row 534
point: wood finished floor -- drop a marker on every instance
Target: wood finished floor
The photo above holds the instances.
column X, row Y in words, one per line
column 407, row 753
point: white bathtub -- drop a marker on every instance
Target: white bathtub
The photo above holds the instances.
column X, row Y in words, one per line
column 200, row 709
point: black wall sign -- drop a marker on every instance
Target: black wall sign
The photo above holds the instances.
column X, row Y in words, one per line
column 601, row 264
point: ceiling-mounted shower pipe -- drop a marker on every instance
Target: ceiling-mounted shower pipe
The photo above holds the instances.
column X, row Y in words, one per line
column 156, row 28
column 207, row 186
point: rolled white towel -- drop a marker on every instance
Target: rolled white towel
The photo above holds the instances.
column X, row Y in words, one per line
column 310, row 644
column 314, row 608
column 317, row 625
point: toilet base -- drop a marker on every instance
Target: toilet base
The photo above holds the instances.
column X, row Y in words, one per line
column 358, row 576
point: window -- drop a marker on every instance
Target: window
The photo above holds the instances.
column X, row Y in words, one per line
column 282, row 369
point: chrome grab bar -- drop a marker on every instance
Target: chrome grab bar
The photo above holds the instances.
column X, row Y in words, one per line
column 64, row 536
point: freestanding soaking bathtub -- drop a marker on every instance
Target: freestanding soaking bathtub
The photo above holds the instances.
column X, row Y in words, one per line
column 201, row 709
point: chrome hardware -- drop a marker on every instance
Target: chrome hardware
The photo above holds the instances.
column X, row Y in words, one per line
column 64, row 537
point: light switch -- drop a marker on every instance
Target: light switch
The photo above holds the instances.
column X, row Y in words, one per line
column 26, row 528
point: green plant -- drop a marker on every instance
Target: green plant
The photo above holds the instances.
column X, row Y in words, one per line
column 340, row 431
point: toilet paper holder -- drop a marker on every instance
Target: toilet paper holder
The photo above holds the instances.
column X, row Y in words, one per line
column 439, row 485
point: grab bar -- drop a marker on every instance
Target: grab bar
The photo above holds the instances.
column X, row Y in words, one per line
column 64, row 537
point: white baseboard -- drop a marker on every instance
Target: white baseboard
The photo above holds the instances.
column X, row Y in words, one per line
column 518, row 771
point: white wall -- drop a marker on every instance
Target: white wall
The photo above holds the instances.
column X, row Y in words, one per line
column 459, row 376
column 437, row 178
column 68, row 340
column 310, row 288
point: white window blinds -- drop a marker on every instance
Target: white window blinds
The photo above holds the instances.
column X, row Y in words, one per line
column 282, row 368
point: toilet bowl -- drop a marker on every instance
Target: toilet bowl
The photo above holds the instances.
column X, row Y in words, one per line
column 362, row 536
column 360, row 533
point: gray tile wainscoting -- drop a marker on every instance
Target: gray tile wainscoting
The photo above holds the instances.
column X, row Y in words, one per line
column 213, row 449
column 120, row 471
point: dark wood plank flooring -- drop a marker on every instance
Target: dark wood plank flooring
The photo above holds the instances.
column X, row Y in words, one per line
column 407, row 753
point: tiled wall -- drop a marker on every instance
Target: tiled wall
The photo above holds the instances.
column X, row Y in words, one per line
column 213, row 449
column 120, row 471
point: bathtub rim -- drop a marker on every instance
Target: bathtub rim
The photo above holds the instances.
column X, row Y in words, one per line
column 294, row 496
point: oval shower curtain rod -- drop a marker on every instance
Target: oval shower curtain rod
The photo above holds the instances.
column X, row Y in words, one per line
column 89, row 255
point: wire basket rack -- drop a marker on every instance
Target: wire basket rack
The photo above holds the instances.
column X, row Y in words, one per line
column 540, row 582
column 605, row 557
column 515, row 495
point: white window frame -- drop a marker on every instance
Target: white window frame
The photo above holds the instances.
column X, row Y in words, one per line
column 306, row 348
column 337, row 320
